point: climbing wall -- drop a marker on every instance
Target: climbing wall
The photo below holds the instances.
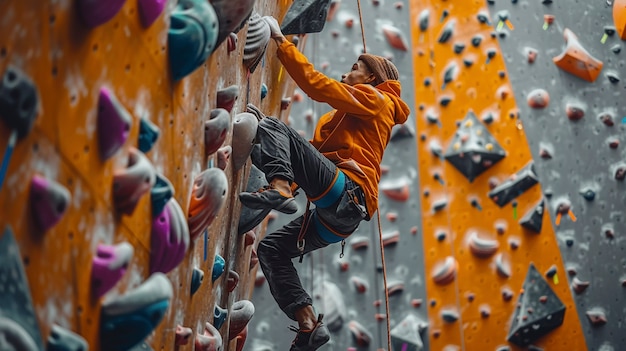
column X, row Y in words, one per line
column 350, row 290
column 126, row 140
column 570, row 100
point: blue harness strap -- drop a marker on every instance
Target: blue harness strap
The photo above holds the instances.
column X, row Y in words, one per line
column 326, row 234
column 334, row 193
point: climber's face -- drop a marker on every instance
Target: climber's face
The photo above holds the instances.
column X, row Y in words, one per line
column 359, row 74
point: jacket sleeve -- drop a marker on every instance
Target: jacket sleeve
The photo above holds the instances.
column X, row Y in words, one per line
column 361, row 100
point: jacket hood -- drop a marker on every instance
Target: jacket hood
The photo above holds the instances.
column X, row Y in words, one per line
column 392, row 88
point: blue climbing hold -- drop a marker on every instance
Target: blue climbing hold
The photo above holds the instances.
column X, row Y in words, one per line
column 62, row 339
column 148, row 134
column 160, row 194
column 196, row 279
column 218, row 267
column 192, row 36
column 263, row 91
column 219, row 316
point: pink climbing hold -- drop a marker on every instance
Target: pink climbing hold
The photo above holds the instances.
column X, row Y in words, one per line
column 150, row 10
column 391, row 238
column 332, row 9
column 231, row 42
column 391, row 216
column 531, row 55
column 49, row 201
column 360, row 284
column 97, row 12
column 183, row 334
column 209, row 340
column 244, row 134
column 240, row 315
column 394, row 288
column 223, row 155
column 227, row 97
column 233, row 280
column 254, row 259
column 394, row 37
column 207, row 198
column 109, row 265
column 397, row 190
column 538, row 98
column 249, row 238
column 596, row 317
column 579, row 286
column 360, row 243
column 113, row 124
column 574, row 113
column 360, row 335
column 216, row 130
column 241, row 339
column 169, row 238
column 131, row 183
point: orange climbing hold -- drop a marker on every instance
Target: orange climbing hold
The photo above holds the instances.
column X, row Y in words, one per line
column 619, row 17
column 576, row 60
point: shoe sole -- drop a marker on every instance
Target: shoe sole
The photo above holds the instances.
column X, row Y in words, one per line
column 313, row 343
column 288, row 206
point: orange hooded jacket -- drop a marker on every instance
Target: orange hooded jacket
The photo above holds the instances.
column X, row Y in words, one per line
column 360, row 126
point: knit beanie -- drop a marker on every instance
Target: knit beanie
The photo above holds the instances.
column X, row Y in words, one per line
column 382, row 68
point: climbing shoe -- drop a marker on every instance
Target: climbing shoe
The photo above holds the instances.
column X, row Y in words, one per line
column 310, row 340
column 268, row 197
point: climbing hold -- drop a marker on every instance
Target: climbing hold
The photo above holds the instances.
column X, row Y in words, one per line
column 394, row 37
column 331, row 297
column 447, row 31
column 612, row 77
column 19, row 101
column 538, row 98
column 620, row 173
column 233, row 16
column 445, row 100
column 148, row 135
column 527, row 327
column 440, row 204
column 613, row 143
column 458, row 48
column 219, row 316
column 579, row 286
column 97, row 12
column 240, row 315
column 441, row 236
column 169, row 238
column 18, row 323
column 551, row 272
column 128, row 319
column 507, row 294
column 61, row 339
column 359, row 334
column 209, row 340
column 596, row 317
column 449, row 74
column 131, row 183
column 223, row 155
column 473, row 149
column 445, row 272
column 483, row 17
column 49, row 201
column 332, row 9
column 307, row 16
column 244, row 134
column 619, row 17
column 160, row 194
column 359, row 243
column 218, row 267
column 397, row 190
column 545, row 153
column 192, row 35
column 533, row 219
column 514, row 186
column 360, row 285
column 113, row 124
column 576, row 60
column 503, row 267
column 482, row 247
column 574, row 113
column 257, row 38
column 14, row 337
column 183, row 334
column 150, row 10
column 232, row 281
column 241, row 339
column 197, row 275
column 250, row 218
column 449, row 316
column 216, row 130
column 207, row 198
column 401, row 131
column 225, row 99
column 391, row 238
column 423, row 19
column 406, row 334
column 109, row 265
column 394, row 288
column 232, row 42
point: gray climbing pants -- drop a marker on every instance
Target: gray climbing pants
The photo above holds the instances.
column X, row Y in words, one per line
column 285, row 153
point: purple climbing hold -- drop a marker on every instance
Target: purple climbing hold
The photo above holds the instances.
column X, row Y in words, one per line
column 49, row 201
column 113, row 124
column 131, row 183
column 97, row 12
column 170, row 238
column 215, row 130
column 208, row 196
column 150, row 10
column 109, row 265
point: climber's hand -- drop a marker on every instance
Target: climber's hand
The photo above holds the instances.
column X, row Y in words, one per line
column 274, row 27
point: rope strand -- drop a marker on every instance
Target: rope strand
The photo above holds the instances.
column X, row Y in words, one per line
column 382, row 258
column 358, row 3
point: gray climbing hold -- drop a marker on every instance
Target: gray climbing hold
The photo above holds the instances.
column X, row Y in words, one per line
column 515, row 186
column 533, row 219
column 406, row 334
column 240, row 315
column 14, row 337
column 447, row 31
column 305, row 16
column 62, row 339
column 244, row 134
column 423, row 19
column 208, row 196
column 526, row 327
column 257, row 38
column 449, row 316
column 216, row 130
column 19, row 101
column 130, row 183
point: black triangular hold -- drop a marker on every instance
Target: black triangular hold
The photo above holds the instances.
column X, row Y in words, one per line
column 539, row 310
column 533, row 219
column 16, row 303
column 305, row 16
column 473, row 149
column 512, row 188
column 250, row 218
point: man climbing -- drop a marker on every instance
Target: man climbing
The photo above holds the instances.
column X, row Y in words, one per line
column 339, row 171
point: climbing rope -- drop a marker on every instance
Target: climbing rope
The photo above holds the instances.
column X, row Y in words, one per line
column 382, row 258
column 358, row 4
